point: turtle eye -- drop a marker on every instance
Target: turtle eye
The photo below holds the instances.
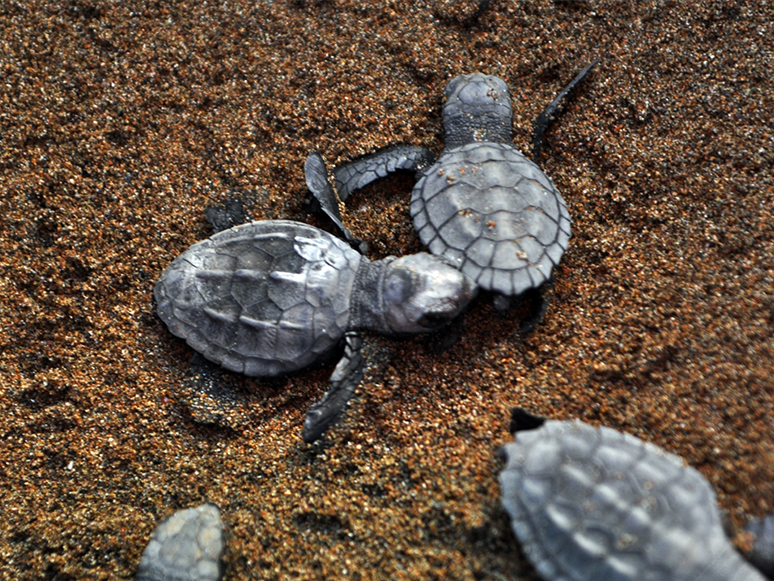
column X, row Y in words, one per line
column 398, row 287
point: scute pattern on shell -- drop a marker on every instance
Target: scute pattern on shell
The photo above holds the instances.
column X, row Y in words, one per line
column 495, row 214
column 263, row 299
column 187, row 546
column 592, row 503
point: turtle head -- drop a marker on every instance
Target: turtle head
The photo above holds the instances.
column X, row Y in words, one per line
column 421, row 293
column 477, row 108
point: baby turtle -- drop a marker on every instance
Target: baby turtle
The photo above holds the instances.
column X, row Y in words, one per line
column 592, row 503
column 187, row 546
column 483, row 205
column 273, row 297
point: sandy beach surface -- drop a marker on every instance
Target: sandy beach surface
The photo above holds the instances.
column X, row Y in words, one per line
column 120, row 122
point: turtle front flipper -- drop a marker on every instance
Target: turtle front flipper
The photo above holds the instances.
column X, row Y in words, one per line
column 360, row 172
column 344, row 381
column 548, row 116
column 316, row 175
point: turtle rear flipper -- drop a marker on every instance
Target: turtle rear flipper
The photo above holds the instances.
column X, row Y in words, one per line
column 360, row 172
column 536, row 299
column 227, row 214
column 344, row 381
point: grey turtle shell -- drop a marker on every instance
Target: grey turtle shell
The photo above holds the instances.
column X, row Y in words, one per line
column 493, row 213
column 592, row 503
column 187, row 546
column 263, row 299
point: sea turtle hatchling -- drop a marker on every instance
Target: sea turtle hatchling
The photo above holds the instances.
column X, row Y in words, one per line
column 187, row 546
column 593, row 503
column 483, row 205
column 273, row 297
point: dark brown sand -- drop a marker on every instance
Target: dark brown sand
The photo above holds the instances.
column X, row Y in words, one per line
column 118, row 126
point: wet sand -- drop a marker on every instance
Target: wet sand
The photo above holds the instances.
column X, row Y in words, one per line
column 119, row 126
